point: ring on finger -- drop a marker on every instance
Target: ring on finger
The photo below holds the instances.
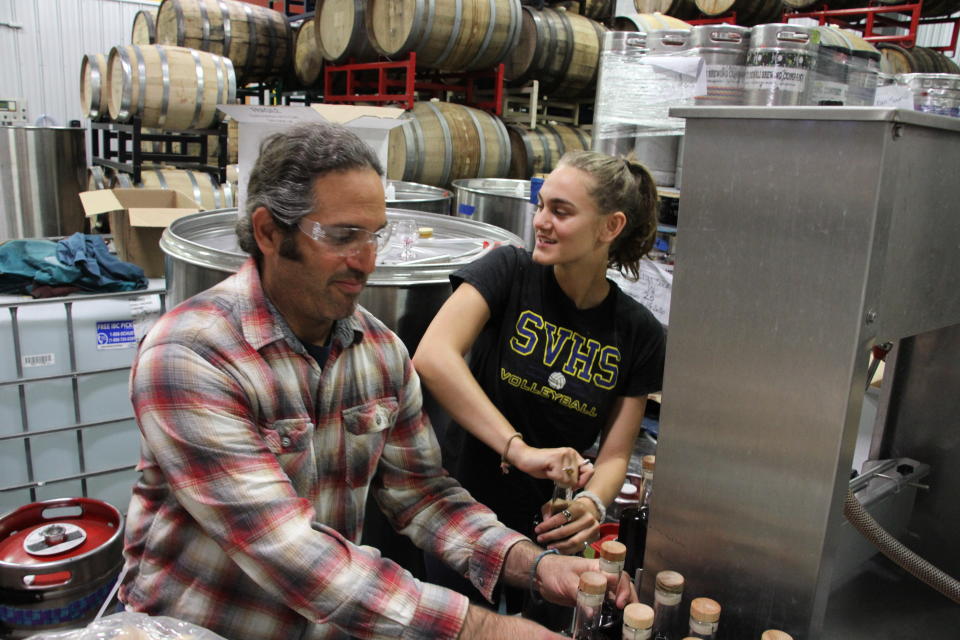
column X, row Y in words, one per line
column 566, row 514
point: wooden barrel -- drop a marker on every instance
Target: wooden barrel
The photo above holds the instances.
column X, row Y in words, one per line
column 257, row 40
column 683, row 9
column 170, row 88
column 144, row 29
column 454, row 35
column 559, row 49
column 598, row 10
column 98, row 177
column 749, row 12
column 342, row 31
column 538, row 150
column 897, row 59
column 307, row 61
column 199, row 185
column 646, row 22
column 94, row 86
column 441, row 142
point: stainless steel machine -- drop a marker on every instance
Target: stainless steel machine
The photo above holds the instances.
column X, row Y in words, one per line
column 809, row 235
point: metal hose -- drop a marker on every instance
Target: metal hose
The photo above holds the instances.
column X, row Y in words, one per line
column 897, row 551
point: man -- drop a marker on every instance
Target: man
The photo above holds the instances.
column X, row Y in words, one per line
column 270, row 405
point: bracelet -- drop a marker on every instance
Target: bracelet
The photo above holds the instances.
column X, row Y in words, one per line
column 504, row 465
column 597, row 502
column 534, row 594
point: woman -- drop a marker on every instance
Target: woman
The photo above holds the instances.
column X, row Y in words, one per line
column 558, row 354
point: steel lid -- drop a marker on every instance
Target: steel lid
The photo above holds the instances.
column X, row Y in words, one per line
column 784, row 36
column 720, row 37
column 416, row 192
column 500, row 187
column 208, row 240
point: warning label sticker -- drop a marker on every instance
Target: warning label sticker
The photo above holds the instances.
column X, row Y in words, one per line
column 117, row 334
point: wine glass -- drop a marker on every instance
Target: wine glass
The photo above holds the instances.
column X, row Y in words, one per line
column 405, row 231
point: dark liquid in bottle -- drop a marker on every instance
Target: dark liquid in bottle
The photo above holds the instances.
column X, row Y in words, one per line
column 633, row 533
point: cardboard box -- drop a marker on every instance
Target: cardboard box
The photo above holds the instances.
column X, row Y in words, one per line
column 137, row 220
column 256, row 122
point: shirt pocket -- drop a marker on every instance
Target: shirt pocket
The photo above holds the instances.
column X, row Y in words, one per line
column 291, row 441
column 365, row 434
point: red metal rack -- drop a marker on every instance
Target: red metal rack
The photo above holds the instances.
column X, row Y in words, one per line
column 397, row 82
column 729, row 18
column 872, row 16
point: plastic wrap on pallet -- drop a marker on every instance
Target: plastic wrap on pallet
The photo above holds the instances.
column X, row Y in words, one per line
column 636, row 89
column 937, row 93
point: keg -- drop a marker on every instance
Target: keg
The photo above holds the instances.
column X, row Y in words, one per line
column 60, row 559
column 724, row 51
column 418, row 197
column 257, row 40
column 341, row 31
column 831, row 72
column 170, row 88
column 201, row 249
column 937, row 93
column 94, row 90
column 454, row 35
column 864, row 70
column 144, row 29
column 440, row 142
column 501, row 202
column 780, row 62
column 42, row 172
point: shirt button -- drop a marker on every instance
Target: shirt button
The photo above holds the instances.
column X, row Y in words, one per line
column 285, row 441
column 480, row 580
column 379, row 420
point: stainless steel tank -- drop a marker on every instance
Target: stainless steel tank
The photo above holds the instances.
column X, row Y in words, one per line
column 419, row 197
column 42, row 172
column 499, row 201
column 201, row 250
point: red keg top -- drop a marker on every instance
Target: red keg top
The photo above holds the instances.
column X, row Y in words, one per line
column 41, row 533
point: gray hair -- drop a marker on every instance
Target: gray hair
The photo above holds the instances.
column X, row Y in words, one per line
column 283, row 177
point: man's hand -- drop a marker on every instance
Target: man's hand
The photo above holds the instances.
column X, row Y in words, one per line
column 482, row 623
column 559, row 576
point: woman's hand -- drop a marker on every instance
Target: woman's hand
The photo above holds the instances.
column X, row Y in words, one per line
column 564, row 465
column 570, row 530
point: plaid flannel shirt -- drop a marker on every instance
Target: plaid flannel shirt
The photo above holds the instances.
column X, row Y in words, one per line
column 255, row 468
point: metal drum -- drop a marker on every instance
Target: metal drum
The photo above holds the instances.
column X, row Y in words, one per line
column 780, row 63
column 499, row 201
column 42, row 172
column 723, row 48
column 419, row 197
column 59, row 560
column 405, row 293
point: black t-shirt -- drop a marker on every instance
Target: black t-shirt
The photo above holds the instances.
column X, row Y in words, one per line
column 553, row 370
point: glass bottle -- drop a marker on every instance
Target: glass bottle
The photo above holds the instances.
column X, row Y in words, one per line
column 586, row 616
column 634, row 522
column 704, row 618
column 666, row 605
column 611, row 563
column 637, row 622
column 775, row 634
